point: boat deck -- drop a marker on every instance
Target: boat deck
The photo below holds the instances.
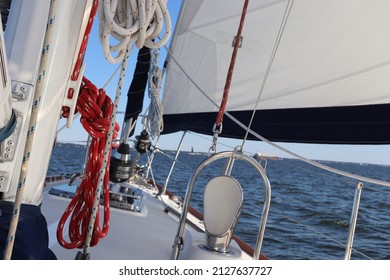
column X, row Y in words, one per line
column 148, row 234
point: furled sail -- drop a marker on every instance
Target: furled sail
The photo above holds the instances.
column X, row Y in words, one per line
column 328, row 78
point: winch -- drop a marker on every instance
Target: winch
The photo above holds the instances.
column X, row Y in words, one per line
column 121, row 168
column 143, row 142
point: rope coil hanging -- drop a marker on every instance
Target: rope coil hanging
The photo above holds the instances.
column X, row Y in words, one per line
column 154, row 119
column 96, row 109
column 129, row 21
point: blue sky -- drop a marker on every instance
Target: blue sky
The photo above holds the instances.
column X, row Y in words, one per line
column 98, row 70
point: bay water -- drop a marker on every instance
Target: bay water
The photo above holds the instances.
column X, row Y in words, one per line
column 310, row 209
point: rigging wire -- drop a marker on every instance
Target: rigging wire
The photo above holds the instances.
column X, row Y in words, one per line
column 258, row 136
column 270, row 63
column 341, row 179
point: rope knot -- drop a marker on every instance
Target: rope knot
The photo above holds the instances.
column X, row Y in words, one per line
column 95, row 108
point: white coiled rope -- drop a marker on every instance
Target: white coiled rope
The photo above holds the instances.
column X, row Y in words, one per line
column 128, row 21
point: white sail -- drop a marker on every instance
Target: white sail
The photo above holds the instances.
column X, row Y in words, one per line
column 329, row 78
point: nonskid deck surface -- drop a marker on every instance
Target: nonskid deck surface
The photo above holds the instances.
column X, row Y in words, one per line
column 144, row 235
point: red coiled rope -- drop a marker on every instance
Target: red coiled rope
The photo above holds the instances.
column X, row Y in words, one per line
column 96, row 109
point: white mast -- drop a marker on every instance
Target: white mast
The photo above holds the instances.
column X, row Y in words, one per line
column 7, row 115
column 24, row 42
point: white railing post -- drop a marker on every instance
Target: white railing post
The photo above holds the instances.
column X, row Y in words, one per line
column 352, row 225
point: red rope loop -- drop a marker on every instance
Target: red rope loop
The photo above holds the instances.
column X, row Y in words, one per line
column 96, row 109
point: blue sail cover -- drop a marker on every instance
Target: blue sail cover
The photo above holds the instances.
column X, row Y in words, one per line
column 335, row 125
column 31, row 242
column 136, row 92
column 327, row 80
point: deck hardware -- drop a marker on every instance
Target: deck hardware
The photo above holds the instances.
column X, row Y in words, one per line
column 125, row 197
column 173, row 163
column 222, row 202
column 352, row 225
column 4, row 181
column 82, row 256
column 121, row 165
column 71, row 96
column 21, row 91
column 177, row 246
column 8, row 146
column 9, row 128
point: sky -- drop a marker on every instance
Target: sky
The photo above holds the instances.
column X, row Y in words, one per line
column 98, row 70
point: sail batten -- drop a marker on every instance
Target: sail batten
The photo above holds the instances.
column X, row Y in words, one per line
column 334, row 56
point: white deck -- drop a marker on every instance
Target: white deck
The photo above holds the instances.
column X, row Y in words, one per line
column 145, row 235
